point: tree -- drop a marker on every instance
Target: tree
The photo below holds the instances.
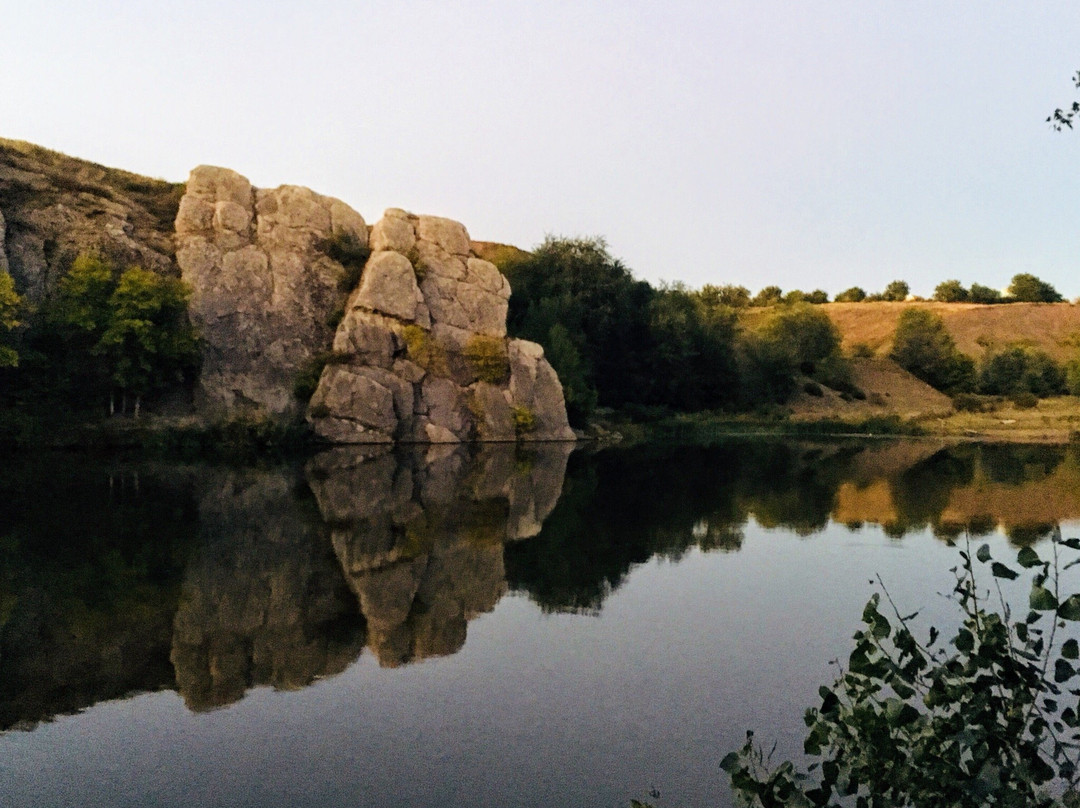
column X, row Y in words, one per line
column 818, row 297
column 802, row 333
column 984, row 719
column 1063, row 118
column 769, row 296
column 126, row 332
column 984, row 294
column 1017, row 369
column 951, row 291
column 10, row 303
column 853, row 295
column 735, row 297
column 148, row 340
column 1026, row 288
column 896, row 291
column 925, row 349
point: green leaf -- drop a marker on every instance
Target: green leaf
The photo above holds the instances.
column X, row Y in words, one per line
column 999, row 570
column 964, row 641
column 1070, row 609
column 1070, row 650
column 1063, row 671
column 983, row 553
column 1027, row 558
column 1042, row 599
column 730, row 763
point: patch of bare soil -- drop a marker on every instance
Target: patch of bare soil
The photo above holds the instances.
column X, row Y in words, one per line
column 889, row 389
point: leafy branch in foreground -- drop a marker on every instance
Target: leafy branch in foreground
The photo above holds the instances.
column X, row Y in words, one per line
column 987, row 719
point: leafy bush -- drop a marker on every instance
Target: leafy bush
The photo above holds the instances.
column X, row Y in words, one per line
column 1024, row 400
column 984, row 294
column 487, row 358
column 348, row 250
column 951, row 292
column 769, row 296
column 1018, row 369
column 524, row 420
column 970, row 402
column 896, row 291
column 1026, row 288
column 990, row 718
column 853, row 295
column 925, row 349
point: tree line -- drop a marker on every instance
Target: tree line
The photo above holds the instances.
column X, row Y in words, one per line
column 618, row 342
column 105, row 339
column 1024, row 288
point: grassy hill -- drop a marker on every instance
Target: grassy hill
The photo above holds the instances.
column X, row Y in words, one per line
column 1052, row 327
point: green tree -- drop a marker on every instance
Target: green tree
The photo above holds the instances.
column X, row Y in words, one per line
column 713, row 297
column 951, row 291
column 896, row 291
column 924, row 348
column 10, row 303
column 769, row 296
column 984, row 294
column 984, row 719
column 853, row 295
column 1018, row 369
column 566, row 360
column 1026, row 288
column 802, row 333
column 148, row 341
column 818, row 297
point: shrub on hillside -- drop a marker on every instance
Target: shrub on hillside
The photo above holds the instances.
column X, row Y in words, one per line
column 1018, row 369
column 925, row 349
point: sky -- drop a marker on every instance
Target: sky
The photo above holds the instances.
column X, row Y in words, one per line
column 803, row 145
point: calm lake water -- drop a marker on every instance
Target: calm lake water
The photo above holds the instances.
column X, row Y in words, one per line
column 503, row 628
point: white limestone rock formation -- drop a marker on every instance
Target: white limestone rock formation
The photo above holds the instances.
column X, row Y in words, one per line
column 264, row 283
column 421, row 354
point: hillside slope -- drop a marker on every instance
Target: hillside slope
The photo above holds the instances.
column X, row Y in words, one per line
column 53, row 206
column 1053, row 327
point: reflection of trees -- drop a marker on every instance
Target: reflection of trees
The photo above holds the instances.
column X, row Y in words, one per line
column 114, row 580
column 89, row 559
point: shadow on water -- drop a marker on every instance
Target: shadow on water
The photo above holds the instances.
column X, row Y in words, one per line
column 118, row 578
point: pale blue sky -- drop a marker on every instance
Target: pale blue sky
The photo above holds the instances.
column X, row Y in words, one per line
column 798, row 144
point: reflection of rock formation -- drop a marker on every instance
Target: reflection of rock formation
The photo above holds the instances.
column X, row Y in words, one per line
column 264, row 602
column 420, row 536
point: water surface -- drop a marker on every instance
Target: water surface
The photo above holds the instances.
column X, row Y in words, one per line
column 454, row 628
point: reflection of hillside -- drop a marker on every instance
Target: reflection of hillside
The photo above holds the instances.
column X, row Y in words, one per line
column 420, row 535
column 1019, row 489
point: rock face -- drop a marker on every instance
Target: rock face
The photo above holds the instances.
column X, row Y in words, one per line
column 421, row 354
column 264, row 282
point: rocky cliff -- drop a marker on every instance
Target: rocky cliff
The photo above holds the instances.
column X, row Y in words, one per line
column 421, row 354
column 264, row 284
